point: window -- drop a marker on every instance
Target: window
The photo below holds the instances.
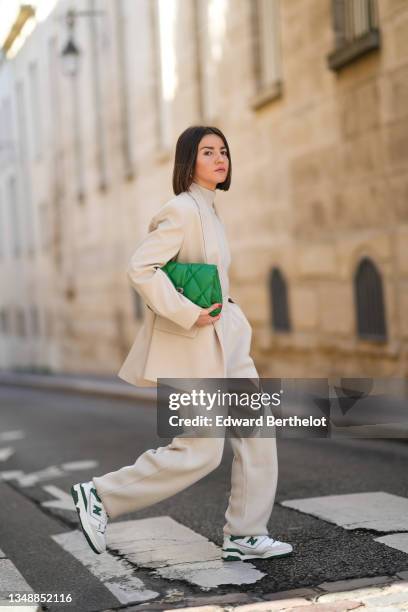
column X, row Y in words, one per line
column 21, row 329
column 210, row 25
column 36, row 117
column 355, row 24
column 279, row 302
column 14, row 216
column 24, row 176
column 164, row 22
column 123, row 30
column 98, row 98
column 44, row 223
column 4, row 323
column 266, row 50
column 78, row 143
column 7, row 145
column 49, row 323
column 368, row 293
column 35, row 323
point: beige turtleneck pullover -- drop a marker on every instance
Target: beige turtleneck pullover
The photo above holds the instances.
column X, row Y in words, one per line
column 208, row 196
column 236, row 328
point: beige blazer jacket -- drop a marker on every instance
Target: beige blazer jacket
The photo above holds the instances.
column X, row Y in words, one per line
column 168, row 343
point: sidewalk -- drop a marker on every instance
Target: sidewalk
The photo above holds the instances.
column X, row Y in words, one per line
column 380, row 593
column 93, row 384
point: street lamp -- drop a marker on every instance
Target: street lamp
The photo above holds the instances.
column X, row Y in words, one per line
column 70, row 58
column 70, row 54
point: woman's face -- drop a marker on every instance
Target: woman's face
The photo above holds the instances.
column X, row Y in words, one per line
column 212, row 161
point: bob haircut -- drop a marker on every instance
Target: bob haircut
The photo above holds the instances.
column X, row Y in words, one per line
column 186, row 156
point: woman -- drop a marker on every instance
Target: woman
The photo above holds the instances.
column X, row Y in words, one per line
column 179, row 339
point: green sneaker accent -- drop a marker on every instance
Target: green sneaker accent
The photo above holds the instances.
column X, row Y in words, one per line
column 84, row 497
column 97, row 510
column 236, row 537
column 232, row 550
column 93, row 490
column 252, row 540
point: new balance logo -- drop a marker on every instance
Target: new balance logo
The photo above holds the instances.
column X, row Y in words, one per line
column 252, row 540
column 97, row 510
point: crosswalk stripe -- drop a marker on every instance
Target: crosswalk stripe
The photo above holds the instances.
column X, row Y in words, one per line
column 87, row 464
column 28, row 480
column 376, row 510
column 5, row 453
column 115, row 574
column 11, row 581
column 177, row 552
column 62, row 501
column 9, row 436
column 52, row 471
column 399, row 541
column 10, row 474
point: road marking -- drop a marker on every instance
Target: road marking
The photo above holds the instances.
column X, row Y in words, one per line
column 5, row 453
column 9, row 436
column 396, row 540
column 79, row 465
column 115, row 574
column 177, row 552
column 11, row 581
column 10, row 474
column 377, row 511
column 53, row 471
column 28, row 480
column 63, row 500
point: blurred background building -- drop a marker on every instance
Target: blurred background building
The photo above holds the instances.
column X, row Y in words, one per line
column 313, row 98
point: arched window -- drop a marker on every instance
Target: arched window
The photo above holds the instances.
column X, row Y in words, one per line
column 368, row 293
column 279, row 301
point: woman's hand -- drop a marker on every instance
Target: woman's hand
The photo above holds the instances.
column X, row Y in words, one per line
column 205, row 318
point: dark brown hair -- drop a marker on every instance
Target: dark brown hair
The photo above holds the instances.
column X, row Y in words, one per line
column 186, row 155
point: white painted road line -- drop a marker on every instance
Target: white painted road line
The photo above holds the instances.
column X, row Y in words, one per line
column 62, row 500
column 11, row 474
column 9, row 436
column 377, row 511
column 11, row 581
column 28, row 480
column 53, row 471
column 5, row 453
column 396, row 540
column 115, row 574
column 72, row 466
column 177, row 552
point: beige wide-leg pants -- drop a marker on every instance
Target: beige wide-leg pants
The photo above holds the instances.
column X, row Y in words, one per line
column 162, row 472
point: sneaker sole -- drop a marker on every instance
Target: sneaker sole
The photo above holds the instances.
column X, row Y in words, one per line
column 76, row 493
column 237, row 556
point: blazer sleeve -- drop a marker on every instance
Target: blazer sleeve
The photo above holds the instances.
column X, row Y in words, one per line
column 164, row 239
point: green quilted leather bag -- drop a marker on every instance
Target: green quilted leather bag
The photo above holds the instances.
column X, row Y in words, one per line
column 199, row 282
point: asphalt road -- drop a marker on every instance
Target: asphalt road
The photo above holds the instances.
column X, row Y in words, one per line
column 64, row 427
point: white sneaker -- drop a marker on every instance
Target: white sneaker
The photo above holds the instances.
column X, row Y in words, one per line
column 92, row 514
column 240, row 548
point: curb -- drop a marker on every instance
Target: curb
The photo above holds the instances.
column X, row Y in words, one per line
column 337, row 596
column 108, row 386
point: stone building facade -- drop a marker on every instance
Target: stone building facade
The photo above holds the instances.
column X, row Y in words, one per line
column 313, row 98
